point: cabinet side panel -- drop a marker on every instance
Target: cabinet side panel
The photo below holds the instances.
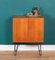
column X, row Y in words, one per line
column 36, row 30
column 14, row 29
column 41, row 30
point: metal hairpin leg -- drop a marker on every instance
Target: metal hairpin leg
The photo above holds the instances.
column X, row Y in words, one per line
column 39, row 49
column 15, row 49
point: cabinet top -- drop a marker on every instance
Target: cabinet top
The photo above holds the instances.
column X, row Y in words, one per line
column 27, row 17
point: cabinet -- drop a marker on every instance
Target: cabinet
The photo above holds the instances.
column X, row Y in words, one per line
column 28, row 29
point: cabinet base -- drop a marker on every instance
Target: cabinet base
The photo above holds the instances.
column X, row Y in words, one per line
column 16, row 47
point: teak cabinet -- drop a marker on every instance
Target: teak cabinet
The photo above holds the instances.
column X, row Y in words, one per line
column 28, row 29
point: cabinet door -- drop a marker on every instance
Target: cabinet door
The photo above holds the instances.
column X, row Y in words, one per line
column 36, row 29
column 33, row 29
column 20, row 29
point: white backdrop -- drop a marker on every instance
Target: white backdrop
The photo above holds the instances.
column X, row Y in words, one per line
column 26, row 47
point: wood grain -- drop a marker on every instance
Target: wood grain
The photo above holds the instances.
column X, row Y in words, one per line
column 28, row 29
column 27, row 55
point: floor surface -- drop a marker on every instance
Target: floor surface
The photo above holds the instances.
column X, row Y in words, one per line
column 27, row 55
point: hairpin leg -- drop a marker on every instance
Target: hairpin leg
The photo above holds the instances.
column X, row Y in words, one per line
column 15, row 49
column 39, row 49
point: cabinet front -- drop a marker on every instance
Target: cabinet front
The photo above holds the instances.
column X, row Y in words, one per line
column 20, row 29
column 28, row 29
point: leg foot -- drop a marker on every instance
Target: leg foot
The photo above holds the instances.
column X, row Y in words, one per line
column 15, row 49
column 40, row 51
